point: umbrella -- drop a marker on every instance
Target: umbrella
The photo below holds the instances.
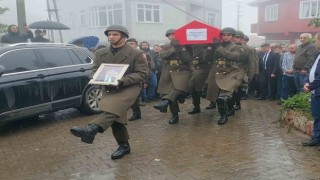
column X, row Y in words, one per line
column 89, row 42
column 51, row 25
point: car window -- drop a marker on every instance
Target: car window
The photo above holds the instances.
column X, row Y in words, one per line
column 56, row 57
column 19, row 60
column 83, row 58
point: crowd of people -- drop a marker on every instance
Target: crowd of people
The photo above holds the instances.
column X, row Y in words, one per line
column 14, row 36
column 223, row 72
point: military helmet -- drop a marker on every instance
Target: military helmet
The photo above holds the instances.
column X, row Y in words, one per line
column 239, row 34
column 170, row 31
column 228, row 30
column 246, row 37
column 119, row 28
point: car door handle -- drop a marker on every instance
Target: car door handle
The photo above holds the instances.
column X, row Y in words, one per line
column 41, row 76
column 82, row 70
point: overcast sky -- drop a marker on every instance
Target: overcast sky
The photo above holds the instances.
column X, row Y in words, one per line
column 36, row 10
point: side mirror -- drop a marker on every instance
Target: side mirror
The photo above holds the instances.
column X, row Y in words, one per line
column 2, row 70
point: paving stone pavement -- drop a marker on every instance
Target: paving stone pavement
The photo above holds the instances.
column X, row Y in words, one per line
column 252, row 145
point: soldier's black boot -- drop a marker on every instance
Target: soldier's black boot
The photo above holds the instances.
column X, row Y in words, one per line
column 196, row 102
column 87, row 133
column 230, row 104
column 237, row 98
column 222, row 108
column 162, row 106
column 212, row 105
column 174, row 119
column 196, row 109
column 122, row 150
column 135, row 117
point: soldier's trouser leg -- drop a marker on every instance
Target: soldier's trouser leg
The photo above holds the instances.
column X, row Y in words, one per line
column 230, row 102
column 174, row 109
column 120, row 133
column 135, row 107
column 237, row 98
column 222, row 103
column 119, row 130
column 175, row 95
column 196, row 99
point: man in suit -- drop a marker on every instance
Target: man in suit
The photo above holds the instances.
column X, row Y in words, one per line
column 268, row 66
column 116, row 100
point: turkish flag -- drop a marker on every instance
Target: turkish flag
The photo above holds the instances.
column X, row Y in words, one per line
column 196, row 33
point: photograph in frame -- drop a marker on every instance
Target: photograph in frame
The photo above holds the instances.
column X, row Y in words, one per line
column 109, row 74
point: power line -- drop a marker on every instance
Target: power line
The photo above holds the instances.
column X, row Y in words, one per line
column 165, row 1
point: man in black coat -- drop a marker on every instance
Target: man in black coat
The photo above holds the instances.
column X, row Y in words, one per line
column 268, row 66
column 39, row 37
column 13, row 35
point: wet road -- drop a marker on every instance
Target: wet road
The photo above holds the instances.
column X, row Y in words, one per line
column 252, row 145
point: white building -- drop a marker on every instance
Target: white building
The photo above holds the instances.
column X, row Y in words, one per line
column 146, row 20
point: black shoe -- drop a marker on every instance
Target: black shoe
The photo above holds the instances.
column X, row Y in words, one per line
column 311, row 142
column 86, row 134
column 135, row 117
column 194, row 111
column 271, row 98
column 237, row 107
column 223, row 119
column 244, row 97
column 261, row 98
column 162, row 106
column 121, row 151
column 211, row 106
column 231, row 112
column 174, row 119
column 279, row 102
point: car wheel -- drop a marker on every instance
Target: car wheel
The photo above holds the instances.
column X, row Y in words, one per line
column 91, row 99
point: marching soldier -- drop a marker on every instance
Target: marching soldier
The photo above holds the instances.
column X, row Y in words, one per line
column 253, row 56
column 246, row 63
column 228, row 75
column 175, row 76
column 116, row 100
column 200, row 65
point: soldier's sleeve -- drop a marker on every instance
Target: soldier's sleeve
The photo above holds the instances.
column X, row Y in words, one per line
column 166, row 52
column 256, row 62
column 141, row 71
column 232, row 55
column 96, row 63
column 251, row 65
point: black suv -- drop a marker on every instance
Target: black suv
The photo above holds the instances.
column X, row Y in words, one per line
column 41, row 78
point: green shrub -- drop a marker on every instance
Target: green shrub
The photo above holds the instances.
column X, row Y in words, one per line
column 300, row 102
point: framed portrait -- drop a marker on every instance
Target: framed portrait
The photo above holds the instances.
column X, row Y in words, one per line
column 109, row 74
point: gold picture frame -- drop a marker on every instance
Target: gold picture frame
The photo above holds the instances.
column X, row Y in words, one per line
column 109, row 74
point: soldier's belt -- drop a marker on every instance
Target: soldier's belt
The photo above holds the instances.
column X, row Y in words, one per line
column 173, row 62
column 195, row 62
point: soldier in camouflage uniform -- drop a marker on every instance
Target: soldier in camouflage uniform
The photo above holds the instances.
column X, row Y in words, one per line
column 175, row 76
column 228, row 74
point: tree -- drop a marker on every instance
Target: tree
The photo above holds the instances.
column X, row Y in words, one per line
column 315, row 21
column 3, row 27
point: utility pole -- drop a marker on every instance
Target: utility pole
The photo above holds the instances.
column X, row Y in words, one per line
column 57, row 18
column 50, row 19
column 238, row 14
column 21, row 14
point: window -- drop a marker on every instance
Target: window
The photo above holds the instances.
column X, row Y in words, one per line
column 150, row 13
column 309, row 9
column 211, row 18
column 271, row 12
column 56, row 57
column 72, row 19
column 84, row 18
column 103, row 16
column 19, row 60
column 78, row 57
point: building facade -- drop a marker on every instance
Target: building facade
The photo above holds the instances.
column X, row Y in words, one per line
column 146, row 20
column 282, row 21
